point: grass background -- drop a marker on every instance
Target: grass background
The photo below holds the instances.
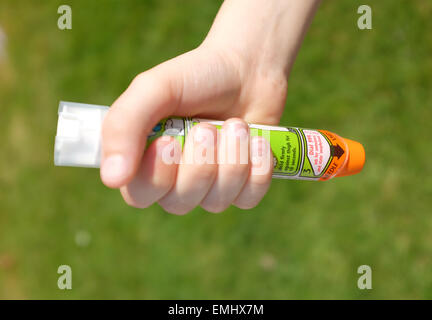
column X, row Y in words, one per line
column 305, row 240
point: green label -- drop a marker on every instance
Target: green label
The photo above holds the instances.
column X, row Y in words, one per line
column 286, row 147
column 297, row 153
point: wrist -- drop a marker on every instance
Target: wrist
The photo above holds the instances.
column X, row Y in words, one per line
column 264, row 35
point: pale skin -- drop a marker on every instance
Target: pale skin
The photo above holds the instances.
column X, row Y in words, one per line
column 238, row 74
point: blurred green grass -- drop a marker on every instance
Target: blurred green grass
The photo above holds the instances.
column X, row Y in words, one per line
column 305, row 240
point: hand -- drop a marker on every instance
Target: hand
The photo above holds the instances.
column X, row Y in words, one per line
column 237, row 76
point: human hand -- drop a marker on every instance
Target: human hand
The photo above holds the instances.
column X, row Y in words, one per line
column 239, row 76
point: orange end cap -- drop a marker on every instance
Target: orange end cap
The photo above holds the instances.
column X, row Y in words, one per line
column 356, row 159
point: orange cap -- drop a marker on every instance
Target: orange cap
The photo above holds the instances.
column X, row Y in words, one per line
column 355, row 161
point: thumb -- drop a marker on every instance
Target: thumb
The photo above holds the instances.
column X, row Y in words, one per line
column 152, row 95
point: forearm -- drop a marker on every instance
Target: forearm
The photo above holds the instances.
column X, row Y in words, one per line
column 265, row 33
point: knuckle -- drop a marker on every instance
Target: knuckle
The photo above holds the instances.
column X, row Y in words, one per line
column 134, row 201
column 175, row 210
column 245, row 205
column 136, row 204
column 174, row 207
column 214, row 207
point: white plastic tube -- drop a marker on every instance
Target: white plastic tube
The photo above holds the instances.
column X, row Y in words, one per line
column 78, row 139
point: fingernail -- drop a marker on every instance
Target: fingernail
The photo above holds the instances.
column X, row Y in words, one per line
column 239, row 129
column 259, row 156
column 114, row 169
column 257, row 146
column 235, row 146
column 204, row 136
